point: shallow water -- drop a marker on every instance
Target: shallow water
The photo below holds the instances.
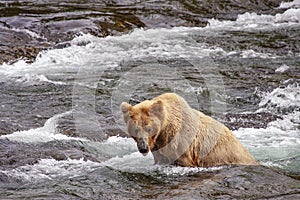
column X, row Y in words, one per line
column 60, row 114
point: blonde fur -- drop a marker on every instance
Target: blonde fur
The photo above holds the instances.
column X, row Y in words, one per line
column 188, row 137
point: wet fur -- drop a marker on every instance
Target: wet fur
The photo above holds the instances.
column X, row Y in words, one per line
column 183, row 136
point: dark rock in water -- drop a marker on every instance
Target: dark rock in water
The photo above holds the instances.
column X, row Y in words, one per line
column 12, row 155
column 16, row 115
column 258, row 181
column 251, row 120
column 19, row 44
column 4, row 178
column 7, row 127
column 239, row 182
column 97, row 129
column 15, row 154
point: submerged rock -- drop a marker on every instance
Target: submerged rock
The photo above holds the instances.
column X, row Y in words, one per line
column 16, row 154
column 250, row 120
column 239, row 182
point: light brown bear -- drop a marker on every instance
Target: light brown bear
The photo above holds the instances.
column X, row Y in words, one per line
column 177, row 134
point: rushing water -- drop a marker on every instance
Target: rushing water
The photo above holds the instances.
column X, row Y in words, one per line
column 60, row 114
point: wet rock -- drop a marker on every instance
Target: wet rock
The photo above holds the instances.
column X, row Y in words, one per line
column 259, row 181
column 16, row 114
column 15, row 154
column 240, row 182
column 12, row 154
column 251, row 120
column 4, row 178
column 18, row 44
column 7, row 127
column 237, row 182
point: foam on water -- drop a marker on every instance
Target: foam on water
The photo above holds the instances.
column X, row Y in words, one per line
column 278, row 144
column 253, row 54
column 279, row 134
column 282, row 97
column 282, row 68
column 133, row 163
column 95, row 54
column 33, row 79
column 46, row 133
column 51, row 169
column 183, row 171
column 293, row 4
column 253, row 21
column 117, row 146
column 31, row 33
column 92, row 55
column 92, row 52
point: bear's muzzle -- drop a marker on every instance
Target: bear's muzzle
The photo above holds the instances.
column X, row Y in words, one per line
column 143, row 146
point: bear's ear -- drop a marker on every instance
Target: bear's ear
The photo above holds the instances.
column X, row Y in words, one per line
column 125, row 107
column 157, row 108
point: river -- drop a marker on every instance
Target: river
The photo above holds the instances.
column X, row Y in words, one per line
column 68, row 65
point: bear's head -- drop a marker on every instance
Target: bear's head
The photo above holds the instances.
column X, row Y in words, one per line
column 144, row 122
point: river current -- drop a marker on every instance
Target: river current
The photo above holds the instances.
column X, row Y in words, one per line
column 61, row 131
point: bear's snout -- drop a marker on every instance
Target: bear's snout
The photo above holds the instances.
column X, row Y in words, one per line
column 143, row 146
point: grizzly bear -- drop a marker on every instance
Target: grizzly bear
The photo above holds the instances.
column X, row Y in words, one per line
column 177, row 134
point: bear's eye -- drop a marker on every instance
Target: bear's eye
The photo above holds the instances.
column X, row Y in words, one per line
column 136, row 130
column 148, row 129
